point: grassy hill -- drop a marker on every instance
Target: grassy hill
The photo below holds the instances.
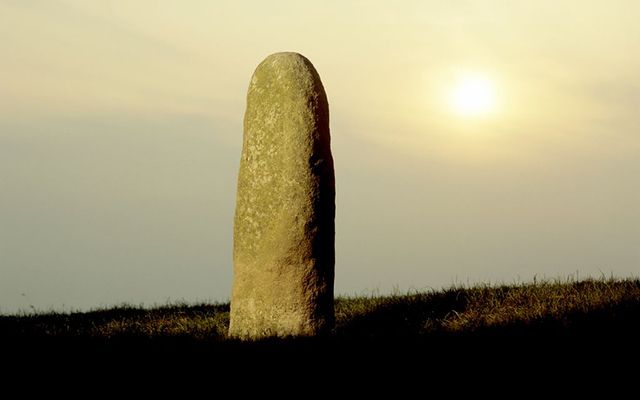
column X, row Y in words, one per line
column 477, row 333
column 587, row 307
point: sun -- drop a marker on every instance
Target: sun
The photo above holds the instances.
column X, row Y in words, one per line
column 473, row 96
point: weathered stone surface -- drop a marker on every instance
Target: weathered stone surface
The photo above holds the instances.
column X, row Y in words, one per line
column 284, row 231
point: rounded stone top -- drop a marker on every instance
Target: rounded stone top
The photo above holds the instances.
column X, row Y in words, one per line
column 286, row 57
column 286, row 54
column 286, row 70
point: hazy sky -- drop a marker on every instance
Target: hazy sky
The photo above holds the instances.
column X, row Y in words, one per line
column 121, row 129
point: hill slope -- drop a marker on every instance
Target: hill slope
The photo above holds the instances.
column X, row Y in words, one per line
column 479, row 338
column 457, row 335
column 590, row 307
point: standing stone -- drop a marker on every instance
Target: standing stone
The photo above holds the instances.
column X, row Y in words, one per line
column 283, row 250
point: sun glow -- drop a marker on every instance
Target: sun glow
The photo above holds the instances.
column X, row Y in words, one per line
column 473, row 96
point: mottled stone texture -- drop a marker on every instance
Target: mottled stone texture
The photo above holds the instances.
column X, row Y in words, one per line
column 283, row 250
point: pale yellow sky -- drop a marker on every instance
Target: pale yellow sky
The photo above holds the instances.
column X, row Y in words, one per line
column 122, row 117
column 386, row 66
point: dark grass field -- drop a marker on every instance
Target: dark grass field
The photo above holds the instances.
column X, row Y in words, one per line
column 585, row 324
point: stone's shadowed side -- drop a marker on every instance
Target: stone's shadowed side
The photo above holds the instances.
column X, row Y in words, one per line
column 283, row 250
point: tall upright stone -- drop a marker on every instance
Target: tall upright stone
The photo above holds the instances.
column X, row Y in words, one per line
column 283, row 250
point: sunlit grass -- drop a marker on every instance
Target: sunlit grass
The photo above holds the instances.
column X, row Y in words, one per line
column 460, row 310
